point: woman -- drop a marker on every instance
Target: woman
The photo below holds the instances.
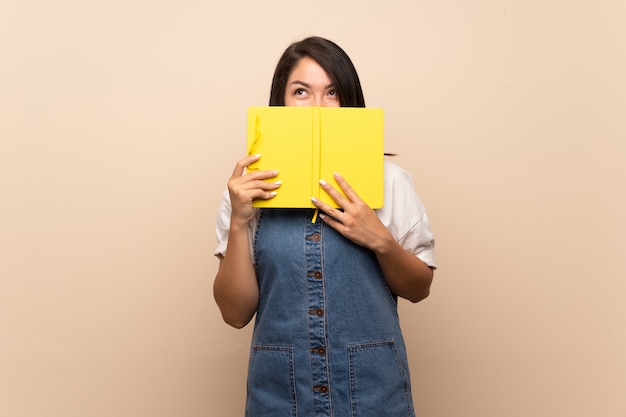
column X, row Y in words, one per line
column 327, row 340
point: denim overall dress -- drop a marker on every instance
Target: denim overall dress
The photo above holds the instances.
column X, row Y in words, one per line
column 327, row 339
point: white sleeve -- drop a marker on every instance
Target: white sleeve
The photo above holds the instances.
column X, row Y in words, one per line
column 222, row 225
column 405, row 216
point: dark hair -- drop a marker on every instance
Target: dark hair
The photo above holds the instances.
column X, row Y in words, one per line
column 331, row 58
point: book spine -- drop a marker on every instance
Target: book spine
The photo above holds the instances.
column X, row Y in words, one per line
column 316, row 161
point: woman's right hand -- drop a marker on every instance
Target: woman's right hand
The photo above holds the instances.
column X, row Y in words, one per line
column 244, row 187
column 235, row 286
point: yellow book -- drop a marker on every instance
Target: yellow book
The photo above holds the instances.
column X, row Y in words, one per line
column 306, row 144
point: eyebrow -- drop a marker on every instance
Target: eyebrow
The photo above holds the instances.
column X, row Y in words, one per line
column 302, row 83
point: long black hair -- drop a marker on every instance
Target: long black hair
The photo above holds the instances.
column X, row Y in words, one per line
column 331, row 58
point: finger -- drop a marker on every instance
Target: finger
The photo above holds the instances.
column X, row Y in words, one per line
column 326, row 208
column 346, row 188
column 259, row 194
column 243, row 163
column 333, row 193
column 245, row 190
column 258, row 175
column 263, row 191
column 332, row 222
column 263, row 185
column 331, row 211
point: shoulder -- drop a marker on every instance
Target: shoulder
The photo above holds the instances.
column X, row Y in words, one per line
column 395, row 173
column 402, row 208
column 405, row 216
column 399, row 187
column 391, row 166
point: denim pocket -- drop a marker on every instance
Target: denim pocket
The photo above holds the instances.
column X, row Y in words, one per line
column 271, row 384
column 379, row 386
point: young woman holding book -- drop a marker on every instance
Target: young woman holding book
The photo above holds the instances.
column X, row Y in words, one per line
column 327, row 340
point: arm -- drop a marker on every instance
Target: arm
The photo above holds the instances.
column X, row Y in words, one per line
column 235, row 287
column 406, row 275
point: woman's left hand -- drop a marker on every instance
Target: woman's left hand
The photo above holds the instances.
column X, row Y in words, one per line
column 406, row 275
column 357, row 222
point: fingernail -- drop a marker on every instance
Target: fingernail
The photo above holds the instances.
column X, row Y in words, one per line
column 273, row 194
column 313, row 199
column 322, row 182
column 278, row 182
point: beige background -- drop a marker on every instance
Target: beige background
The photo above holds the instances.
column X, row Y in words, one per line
column 120, row 122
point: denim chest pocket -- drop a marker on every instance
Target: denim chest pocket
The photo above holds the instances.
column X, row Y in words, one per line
column 379, row 386
column 271, row 382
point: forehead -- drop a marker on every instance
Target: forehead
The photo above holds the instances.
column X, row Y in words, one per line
column 307, row 69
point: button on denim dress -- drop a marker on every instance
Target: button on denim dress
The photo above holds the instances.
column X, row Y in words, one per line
column 327, row 339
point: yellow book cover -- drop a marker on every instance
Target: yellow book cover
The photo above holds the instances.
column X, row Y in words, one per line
column 306, row 144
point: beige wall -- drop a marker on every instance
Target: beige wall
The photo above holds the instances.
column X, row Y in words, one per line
column 120, row 122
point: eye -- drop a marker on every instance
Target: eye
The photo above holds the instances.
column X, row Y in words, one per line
column 299, row 92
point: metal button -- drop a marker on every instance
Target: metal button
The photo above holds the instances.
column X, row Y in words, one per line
column 315, row 237
column 319, row 350
column 316, row 274
column 322, row 388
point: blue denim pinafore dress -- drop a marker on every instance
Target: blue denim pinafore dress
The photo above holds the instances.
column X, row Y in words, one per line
column 327, row 339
